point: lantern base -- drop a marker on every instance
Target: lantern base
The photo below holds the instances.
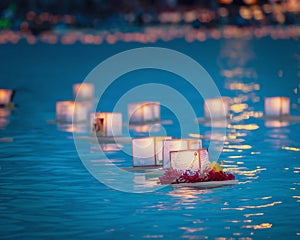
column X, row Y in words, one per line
column 103, row 140
column 285, row 118
column 207, row 185
column 8, row 106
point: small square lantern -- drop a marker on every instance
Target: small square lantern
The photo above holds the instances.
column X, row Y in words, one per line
column 83, row 91
column 177, row 145
column 5, row 96
column 190, row 159
column 216, row 107
column 277, row 106
column 143, row 112
column 147, row 151
column 106, row 124
column 70, row 111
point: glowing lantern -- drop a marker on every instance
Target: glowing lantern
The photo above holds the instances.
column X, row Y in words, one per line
column 217, row 108
column 190, row 159
column 70, row 111
column 147, row 151
column 250, row 2
column 83, row 91
column 177, row 145
column 5, row 96
column 106, row 124
column 225, row 1
column 277, row 106
column 143, row 112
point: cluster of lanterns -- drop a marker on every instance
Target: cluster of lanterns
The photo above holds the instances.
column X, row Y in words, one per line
column 158, row 151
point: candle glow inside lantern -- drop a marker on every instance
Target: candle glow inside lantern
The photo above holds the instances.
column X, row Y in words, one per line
column 143, row 112
column 190, row 159
column 148, row 151
column 5, row 96
column 83, row 91
column 216, row 107
column 177, row 145
column 277, row 106
column 106, row 124
column 70, row 111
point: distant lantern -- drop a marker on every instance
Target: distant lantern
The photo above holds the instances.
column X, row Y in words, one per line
column 216, row 108
column 143, row 112
column 70, row 111
column 148, row 151
column 250, row 2
column 106, row 124
column 83, row 91
column 177, row 145
column 190, row 159
column 5, row 96
column 277, row 106
column 225, row 1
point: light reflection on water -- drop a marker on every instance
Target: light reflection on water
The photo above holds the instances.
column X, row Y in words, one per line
column 44, row 185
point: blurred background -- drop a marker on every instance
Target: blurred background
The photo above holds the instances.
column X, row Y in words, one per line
column 36, row 16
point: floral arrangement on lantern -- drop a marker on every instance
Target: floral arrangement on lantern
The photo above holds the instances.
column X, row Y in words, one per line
column 214, row 172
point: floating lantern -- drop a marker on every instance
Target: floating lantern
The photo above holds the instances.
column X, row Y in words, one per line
column 217, row 108
column 177, row 145
column 143, row 112
column 70, row 111
column 147, row 151
column 190, row 159
column 83, row 91
column 106, row 124
column 277, row 106
column 5, row 96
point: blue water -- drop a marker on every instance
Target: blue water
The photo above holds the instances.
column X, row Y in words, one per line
column 47, row 193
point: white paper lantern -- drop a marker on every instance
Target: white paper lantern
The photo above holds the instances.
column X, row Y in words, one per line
column 5, row 96
column 143, row 112
column 216, row 108
column 190, row 159
column 106, row 124
column 83, row 91
column 177, row 145
column 147, row 151
column 277, row 106
column 70, row 111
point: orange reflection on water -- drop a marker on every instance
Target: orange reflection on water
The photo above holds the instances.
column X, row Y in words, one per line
column 259, row 226
column 244, row 126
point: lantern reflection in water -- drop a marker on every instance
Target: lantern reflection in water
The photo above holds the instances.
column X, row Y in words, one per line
column 106, row 124
column 148, row 151
column 4, row 113
column 216, row 108
column 70, row 111
column 83, row 91
column 277, row 107
column 5, row 96
column 177, row 145
column 143, row 112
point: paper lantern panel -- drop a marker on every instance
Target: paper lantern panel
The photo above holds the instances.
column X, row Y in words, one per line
column 147, row 151
column 69, row 111
column 106, row 124
column 277, row 106
column 143, row 112
column 5, row 96
column 83, row 91
column 216, row 108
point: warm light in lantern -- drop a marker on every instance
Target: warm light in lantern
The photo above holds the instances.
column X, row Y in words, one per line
column 277, row 106
column 143, row 112
column 83, row 91
column 216, row 107
column 70, row 111
column 5, row 96
column 148, row 151
column 250, row 2
column 190, row 159
column 177, row 145
column 225, row 1
column 106, row 124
